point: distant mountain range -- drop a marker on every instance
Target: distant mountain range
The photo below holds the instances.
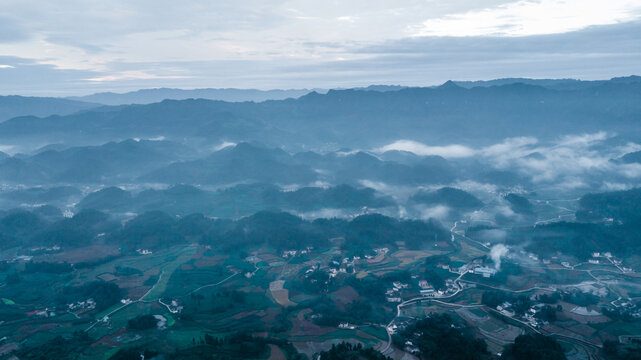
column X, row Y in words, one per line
column 13, row 106
column 555, row 84
column 354, row 118
column 148, row 96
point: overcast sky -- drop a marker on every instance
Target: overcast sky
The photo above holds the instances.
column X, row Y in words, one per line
column 76, row 47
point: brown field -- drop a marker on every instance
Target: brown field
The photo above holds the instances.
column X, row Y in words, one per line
column 377, row 259
column 107, row 277
column 244, row 314
column 270, row 315
column 307, row 328
column 345, row 294
column 583, row 330
column 276, row 353
column 207, row 261
column 186, row 267
column 280, row 294
column 87, row 253
column 411, row 256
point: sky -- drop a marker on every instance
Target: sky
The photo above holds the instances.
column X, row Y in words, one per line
column 76, row 47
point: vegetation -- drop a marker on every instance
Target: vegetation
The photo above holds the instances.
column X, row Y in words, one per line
column 142, row 322
column 58, row 348
column 438, row 337
column 614, row 350
column 534, row 347
column 103, row 293
column 347, row 351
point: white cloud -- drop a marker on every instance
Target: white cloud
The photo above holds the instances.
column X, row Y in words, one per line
column 448, row 151
column 9, row 149
column 566, row 161
column 509, row 149
column 134, row 75
column 223, row 145
column 308, row 44
column 473, row 186
column 523, row 18
column 439, row 212
column 631, row 170
column 627, row 148
column 6, row 66
column 608, row 186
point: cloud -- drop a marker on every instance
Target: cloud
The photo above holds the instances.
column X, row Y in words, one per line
column 509, row 149
column 571, row 161
column 571, row 156
column 133, row 75
column 26, row 76
column 449, row 151
column 12, row 31
column 439, row 212
column 224, row 144
column 8, row 149
column 524, row 18
column 304, row 44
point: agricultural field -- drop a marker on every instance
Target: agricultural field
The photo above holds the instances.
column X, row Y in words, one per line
column 303, row 301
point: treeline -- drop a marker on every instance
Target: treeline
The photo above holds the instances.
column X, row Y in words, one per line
column 347, row 351
column 438, row 337
column 624, row 206
column 237, row 346
column 234, row 347
column 233, row 201
column 23, row 228
column 579, row 239
column 142, row 322
column 327, row 313
column 105, row 294
column 156, row 229
column 58, row 348
column 614, row 350
column 607, row 222
column 534, row 347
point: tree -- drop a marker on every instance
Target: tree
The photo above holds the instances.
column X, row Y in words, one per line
column 439, row 338
column 534, row 347
column 142, row 322
column 347, row 351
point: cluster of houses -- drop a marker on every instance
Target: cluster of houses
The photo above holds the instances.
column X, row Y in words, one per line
column 378, row 252
column 88, row 304
column 393, row 295
column 597, row 259
column 627, row 306
column 44, row 249
column 347, row 326
column 292, row 253
column 529, row 316
column 335, row 267
column 427, row 289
